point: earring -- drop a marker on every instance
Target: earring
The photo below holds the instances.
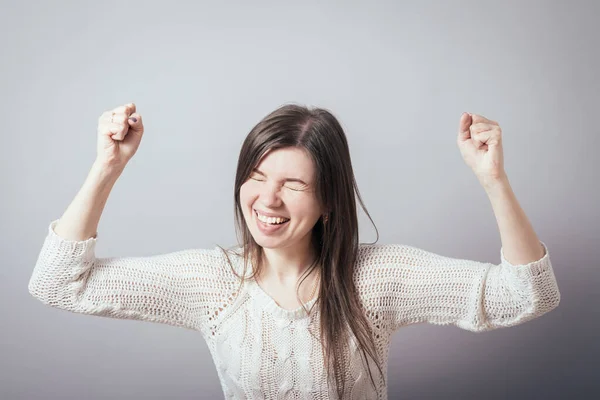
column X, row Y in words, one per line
column 325, row 218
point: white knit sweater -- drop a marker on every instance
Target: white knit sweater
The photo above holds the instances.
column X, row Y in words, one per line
column 262, row 351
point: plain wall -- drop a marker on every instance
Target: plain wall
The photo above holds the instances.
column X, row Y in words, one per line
column 398, row 75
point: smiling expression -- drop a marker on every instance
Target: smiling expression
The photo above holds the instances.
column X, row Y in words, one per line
column 281, row 185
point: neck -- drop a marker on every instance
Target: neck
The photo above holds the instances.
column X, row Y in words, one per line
column 287, row 265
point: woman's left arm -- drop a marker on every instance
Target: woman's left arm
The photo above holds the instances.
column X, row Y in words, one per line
column 480, row 143
column 402, row 285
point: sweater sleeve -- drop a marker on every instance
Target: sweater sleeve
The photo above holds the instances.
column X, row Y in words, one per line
column 403, row 285
column 184, row 288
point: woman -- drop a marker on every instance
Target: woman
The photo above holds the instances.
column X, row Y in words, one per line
column 300, row 308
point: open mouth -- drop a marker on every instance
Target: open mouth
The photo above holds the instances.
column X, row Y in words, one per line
column 270, row 221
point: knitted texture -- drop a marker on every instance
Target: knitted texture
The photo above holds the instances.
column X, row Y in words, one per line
column 262, row 351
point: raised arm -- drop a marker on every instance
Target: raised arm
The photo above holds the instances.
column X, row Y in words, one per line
column 184, row 288
column 402, row 285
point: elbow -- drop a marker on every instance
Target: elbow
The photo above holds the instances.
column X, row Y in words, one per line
column 547, row 302
column 517, row 313
column 539, row 306
column 525, row 294
column 42, row 294
column 63, row 296
column 546, row 295
column 36, row 290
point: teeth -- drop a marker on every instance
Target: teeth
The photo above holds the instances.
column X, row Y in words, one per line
column 270, row 220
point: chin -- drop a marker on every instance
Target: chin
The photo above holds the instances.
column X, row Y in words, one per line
column 266, row 242
column 266, row 245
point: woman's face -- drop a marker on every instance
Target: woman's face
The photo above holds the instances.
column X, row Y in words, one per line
column 282, row 185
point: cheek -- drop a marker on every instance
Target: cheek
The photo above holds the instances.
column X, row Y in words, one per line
column 307, row 209
column 245, row 199
column 245, row 193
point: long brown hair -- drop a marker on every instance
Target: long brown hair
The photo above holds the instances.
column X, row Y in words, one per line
column 335, row 241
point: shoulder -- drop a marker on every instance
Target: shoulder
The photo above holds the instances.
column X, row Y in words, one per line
column 196, row 256
column 215, row 262
column 373, row 261
column 401, row 254
column 382, row 252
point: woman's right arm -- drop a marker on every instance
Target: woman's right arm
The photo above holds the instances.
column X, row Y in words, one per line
column 184, row 288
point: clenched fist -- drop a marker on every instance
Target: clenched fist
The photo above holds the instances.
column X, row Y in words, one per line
column 119, row 135
column 480, row 143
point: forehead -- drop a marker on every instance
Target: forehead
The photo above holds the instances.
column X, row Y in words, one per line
column 290, row 162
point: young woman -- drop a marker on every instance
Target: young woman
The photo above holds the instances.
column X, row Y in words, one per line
column 299, row 308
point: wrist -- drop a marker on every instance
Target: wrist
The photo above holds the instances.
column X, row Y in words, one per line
column 105, row 173
column 496, row 184
column 106, row 169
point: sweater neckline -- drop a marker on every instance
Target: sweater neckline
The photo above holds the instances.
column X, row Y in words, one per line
column 265, row 302
column 269, row 304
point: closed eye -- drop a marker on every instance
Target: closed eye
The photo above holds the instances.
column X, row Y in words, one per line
column 287, row 187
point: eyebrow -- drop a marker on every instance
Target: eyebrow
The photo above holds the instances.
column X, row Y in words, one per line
column 286, row 179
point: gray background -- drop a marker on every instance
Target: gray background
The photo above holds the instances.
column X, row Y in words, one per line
column 398, row 75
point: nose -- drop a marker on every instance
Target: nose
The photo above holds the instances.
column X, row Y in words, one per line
column 270, row 196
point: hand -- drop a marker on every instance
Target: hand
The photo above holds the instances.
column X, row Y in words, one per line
column 480, row 143
column 119, row 135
